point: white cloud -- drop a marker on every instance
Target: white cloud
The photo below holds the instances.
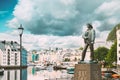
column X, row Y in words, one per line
column 64, row 17
column 113, row 20
column 48, row 15
column 96, row 24
column 40, row 8
column 8, row 36
column 109, row 8
column 44, row 41
column 63, row 20
column 31, row 41
column 13, row 23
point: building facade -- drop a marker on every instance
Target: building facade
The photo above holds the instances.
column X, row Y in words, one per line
column 53, row 56
column 10, row 54
column 118, row 46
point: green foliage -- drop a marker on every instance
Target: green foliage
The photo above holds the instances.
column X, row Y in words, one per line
column 112, row 34
column 67, row 59
column 81, row 48
column 112, row 54
column 100, row 53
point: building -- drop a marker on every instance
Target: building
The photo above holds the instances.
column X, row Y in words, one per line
column 53, row 56
column 118, row 46
column 10, row 54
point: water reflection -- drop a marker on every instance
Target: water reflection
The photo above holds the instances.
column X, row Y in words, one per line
column 33, row 73
column 48, row 74
column 17, row 74
column 33, row 70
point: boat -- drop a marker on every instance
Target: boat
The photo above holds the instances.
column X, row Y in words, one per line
column 1, row 71
column 59, row 67
column 40, row 67
column 70, row 70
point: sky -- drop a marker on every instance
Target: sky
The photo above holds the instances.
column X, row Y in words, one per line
column 56, row 23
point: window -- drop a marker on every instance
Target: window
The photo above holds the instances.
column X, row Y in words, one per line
column 4, row 62
column 119, row 51
column 119, row 44
column 4, row 55
column 15, row 58
column 8, row 57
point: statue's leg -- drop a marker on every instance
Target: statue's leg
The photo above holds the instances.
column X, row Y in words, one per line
column 84, row 52
column 92, row 51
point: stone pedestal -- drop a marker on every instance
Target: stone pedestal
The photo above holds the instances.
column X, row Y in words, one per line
column 87, row 72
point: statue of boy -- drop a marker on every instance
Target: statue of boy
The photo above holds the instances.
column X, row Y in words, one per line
column 89, row 38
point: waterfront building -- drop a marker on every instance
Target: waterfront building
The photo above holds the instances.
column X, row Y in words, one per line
column 118, row 46
column 35, row 57
column 10, row 54
column 29, row 56
column 56, row 56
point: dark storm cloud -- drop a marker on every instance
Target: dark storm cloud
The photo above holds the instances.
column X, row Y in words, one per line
column 57, row 27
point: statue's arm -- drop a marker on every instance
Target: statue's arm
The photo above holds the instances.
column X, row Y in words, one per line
column 84, row 36
column 93, row 36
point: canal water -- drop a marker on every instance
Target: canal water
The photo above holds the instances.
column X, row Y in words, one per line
column 33, row 73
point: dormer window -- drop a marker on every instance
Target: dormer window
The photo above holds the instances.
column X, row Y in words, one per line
column 12, row 49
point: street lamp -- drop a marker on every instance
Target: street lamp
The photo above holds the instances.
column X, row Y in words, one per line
column 20, row 30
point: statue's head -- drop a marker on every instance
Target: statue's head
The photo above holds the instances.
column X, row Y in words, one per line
column 89, row 26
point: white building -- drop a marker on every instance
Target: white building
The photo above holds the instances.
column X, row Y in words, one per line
column 118, row 46
column 10, row 54
column 54, row 56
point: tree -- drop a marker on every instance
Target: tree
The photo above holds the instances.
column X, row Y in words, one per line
column 112, row 54
column 100, row 53
column 112, row 34
column 81, row 48
column 67, row 59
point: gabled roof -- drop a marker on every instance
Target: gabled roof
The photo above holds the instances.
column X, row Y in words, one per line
column 2, row 46
column 14, row 45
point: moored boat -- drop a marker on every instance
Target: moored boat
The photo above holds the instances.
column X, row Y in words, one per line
column 70, row 70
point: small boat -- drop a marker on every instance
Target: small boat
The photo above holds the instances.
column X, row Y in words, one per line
column 1, row 71
column 70, row 70
column 59, row 67
column 40, row 67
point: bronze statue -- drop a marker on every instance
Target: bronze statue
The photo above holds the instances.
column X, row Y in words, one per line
column 89, row 38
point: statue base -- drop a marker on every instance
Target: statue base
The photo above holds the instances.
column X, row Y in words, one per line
column 87, row 72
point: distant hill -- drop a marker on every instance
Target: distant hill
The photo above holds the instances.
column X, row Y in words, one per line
column 112, row 34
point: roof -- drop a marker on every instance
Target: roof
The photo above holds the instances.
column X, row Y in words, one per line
column 2, row 46
column 13, row 44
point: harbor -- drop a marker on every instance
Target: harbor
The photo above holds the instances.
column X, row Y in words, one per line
column 48, row 73
column 31, row 73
